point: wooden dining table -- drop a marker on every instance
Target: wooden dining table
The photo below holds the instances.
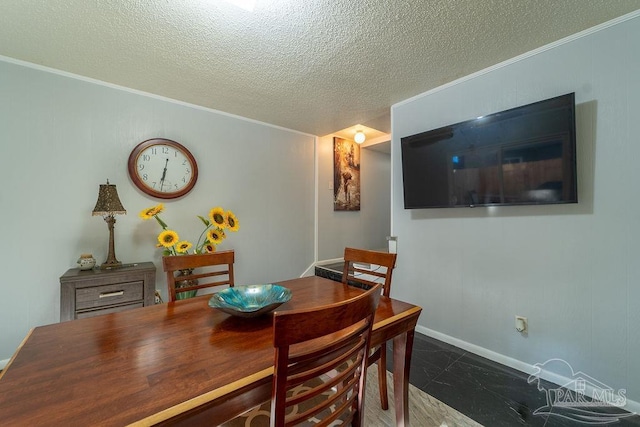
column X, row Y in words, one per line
column 179, row 363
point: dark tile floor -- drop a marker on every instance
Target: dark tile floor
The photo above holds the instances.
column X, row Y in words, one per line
column 490, row 393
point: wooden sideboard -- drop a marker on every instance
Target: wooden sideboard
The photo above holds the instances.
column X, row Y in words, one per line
column 88, row 293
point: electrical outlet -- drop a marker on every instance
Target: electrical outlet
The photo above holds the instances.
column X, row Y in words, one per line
column 522, row 325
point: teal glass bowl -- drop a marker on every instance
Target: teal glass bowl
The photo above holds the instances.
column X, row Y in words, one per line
column 250, row 300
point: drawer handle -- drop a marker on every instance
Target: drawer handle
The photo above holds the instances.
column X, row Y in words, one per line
column 111, row 294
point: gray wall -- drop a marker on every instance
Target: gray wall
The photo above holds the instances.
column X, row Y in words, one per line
column 573, row 270
column 367, row 228
column 61, row 137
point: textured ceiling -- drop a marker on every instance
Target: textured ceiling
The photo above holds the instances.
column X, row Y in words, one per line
column 314, row 66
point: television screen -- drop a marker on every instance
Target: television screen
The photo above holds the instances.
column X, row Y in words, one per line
column 522, row 156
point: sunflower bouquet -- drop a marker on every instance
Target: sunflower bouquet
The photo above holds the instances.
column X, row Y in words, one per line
column 213, row 234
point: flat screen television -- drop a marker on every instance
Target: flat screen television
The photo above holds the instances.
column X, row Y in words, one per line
column 522, row 156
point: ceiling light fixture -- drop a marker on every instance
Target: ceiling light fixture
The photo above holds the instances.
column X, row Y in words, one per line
column 248, row 5
column 359, row 137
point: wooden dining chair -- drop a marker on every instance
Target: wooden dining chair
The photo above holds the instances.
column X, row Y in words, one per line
column 321, row 362
column 381, row 265
column 199, row 271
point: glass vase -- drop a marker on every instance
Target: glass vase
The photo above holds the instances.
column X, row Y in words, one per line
column 184, row 284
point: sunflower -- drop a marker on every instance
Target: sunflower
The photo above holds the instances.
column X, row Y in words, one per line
column 168, row 238
column 234, row 224
column 183, row 247
column 218, row 217
column 151, row 212
column 215, row 236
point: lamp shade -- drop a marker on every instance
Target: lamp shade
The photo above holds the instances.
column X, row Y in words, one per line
column 108, row 202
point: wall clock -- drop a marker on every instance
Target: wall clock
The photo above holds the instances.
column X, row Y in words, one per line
column 163, row 168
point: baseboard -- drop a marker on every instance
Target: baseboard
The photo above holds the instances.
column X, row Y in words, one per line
column 329, row 261
column 631, row 405
column 310, row 271
column 4, row 363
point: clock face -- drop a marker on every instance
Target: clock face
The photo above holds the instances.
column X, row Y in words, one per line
column 163, row 168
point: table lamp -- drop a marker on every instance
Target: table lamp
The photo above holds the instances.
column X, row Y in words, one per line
column 107, row 206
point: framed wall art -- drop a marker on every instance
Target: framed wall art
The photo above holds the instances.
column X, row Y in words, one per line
column 346, row 175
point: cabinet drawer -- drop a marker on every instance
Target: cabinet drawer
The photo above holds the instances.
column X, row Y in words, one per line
column 101, row 296
column 97, row 312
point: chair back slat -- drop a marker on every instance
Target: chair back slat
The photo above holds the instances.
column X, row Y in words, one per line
column 353, row 271
column 209, row 270
column 321, row 361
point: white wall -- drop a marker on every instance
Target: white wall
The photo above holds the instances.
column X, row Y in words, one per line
column 366, row 228
column 61, row 137
column 573, row 270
